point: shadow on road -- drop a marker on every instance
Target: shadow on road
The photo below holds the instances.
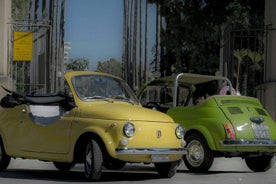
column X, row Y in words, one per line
column 128, row 174
column 211, row 172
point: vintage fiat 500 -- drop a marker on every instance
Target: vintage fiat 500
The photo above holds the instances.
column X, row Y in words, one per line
column 97, row 121
column 219, row 122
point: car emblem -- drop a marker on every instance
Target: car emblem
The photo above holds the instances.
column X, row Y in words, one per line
column 158, row 133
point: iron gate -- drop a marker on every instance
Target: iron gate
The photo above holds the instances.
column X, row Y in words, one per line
column 245, row 58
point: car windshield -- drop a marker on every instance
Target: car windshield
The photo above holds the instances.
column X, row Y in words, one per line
column 192, row 89
column 100, row 87
column 164, row 95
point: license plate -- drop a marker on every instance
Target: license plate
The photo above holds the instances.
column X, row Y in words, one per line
column 159, row 158
column 261, row 131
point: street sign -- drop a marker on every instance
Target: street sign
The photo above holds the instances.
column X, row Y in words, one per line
column 22, row 46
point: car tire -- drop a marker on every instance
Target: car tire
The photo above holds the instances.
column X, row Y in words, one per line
column 260, row 163
column 199, row 157
column 114, row 164
column 93, row 161
column 167, row 169
column 63, row 166
column 4, row 158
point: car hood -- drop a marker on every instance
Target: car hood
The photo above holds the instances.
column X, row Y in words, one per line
column 121, row 111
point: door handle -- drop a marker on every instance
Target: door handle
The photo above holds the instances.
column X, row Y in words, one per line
column 23, row 111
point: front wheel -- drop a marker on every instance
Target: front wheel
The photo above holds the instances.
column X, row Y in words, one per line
column 260, row 163
column 167, row 169
column 4, row 158
column 93, row 161
column 199, row 157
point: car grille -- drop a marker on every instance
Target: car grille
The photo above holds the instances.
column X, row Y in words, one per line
column 235, row 110
column 261, row 111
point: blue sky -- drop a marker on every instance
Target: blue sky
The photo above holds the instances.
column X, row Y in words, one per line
column 95, row 29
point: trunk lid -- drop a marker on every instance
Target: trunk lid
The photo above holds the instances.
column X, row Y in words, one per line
column 247, row 116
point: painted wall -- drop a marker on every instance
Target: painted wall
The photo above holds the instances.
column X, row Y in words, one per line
column 268, row 92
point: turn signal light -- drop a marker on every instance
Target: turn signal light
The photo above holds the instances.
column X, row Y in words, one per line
column 229, row 130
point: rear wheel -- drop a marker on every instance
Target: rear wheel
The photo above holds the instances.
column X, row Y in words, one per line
column 199, row 157
column 63, row 166
column 93, row 161
column 261, row 163
column 4, row 158
column 168, row 169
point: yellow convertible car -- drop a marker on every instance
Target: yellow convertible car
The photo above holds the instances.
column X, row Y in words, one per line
column 96, row 120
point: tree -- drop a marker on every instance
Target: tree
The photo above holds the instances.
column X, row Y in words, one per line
column 78, row 64
column 140, row 44
column 19, row 9
column 111, row 66
column 192, row 32
column 145, row 76
column 135, row 42
column 125, row 41
column 245, row 58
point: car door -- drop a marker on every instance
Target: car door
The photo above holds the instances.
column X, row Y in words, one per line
column 44, row 134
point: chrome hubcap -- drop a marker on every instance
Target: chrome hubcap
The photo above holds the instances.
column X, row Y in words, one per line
column 195, row 154
column 88, row 159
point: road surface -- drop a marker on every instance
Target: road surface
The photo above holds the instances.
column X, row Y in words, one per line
column 224, row 171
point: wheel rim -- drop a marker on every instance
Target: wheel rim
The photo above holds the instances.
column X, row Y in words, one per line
column 195, row 154
column 88, row 160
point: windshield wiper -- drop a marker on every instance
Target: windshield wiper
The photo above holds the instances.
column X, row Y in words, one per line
column 119, row 97
column 110, row 99
column 94, row 98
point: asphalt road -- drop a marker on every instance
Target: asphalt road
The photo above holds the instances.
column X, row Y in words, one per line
column 224, row 171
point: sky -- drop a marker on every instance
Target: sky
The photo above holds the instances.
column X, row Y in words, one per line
column 95, row 29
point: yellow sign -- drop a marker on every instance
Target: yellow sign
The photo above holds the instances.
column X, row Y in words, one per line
column 22, row 46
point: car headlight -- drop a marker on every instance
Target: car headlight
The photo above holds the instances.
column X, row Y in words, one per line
column 180, row 132
column 129, row 129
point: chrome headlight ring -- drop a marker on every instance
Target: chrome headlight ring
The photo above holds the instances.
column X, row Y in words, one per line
column 180, row 132
column 129, row 129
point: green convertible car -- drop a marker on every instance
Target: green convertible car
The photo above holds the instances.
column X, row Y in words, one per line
column 219, row 122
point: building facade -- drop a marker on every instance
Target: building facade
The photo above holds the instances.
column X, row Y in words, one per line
column 44, row 20
column 268, row 89
column 5, row 15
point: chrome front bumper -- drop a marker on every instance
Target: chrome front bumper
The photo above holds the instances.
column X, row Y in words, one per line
column 151, row 151
column 248, row 142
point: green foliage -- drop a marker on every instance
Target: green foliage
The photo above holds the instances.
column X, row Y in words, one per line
column 21, row 75
column 78, row 64
column 240, row 54
column 111, row 66
column 19, row 9
column 191, row 41
column 245, row 58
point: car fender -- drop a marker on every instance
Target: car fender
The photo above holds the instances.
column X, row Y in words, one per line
column 108, row 140
column 206, row 134
column 104, row 133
